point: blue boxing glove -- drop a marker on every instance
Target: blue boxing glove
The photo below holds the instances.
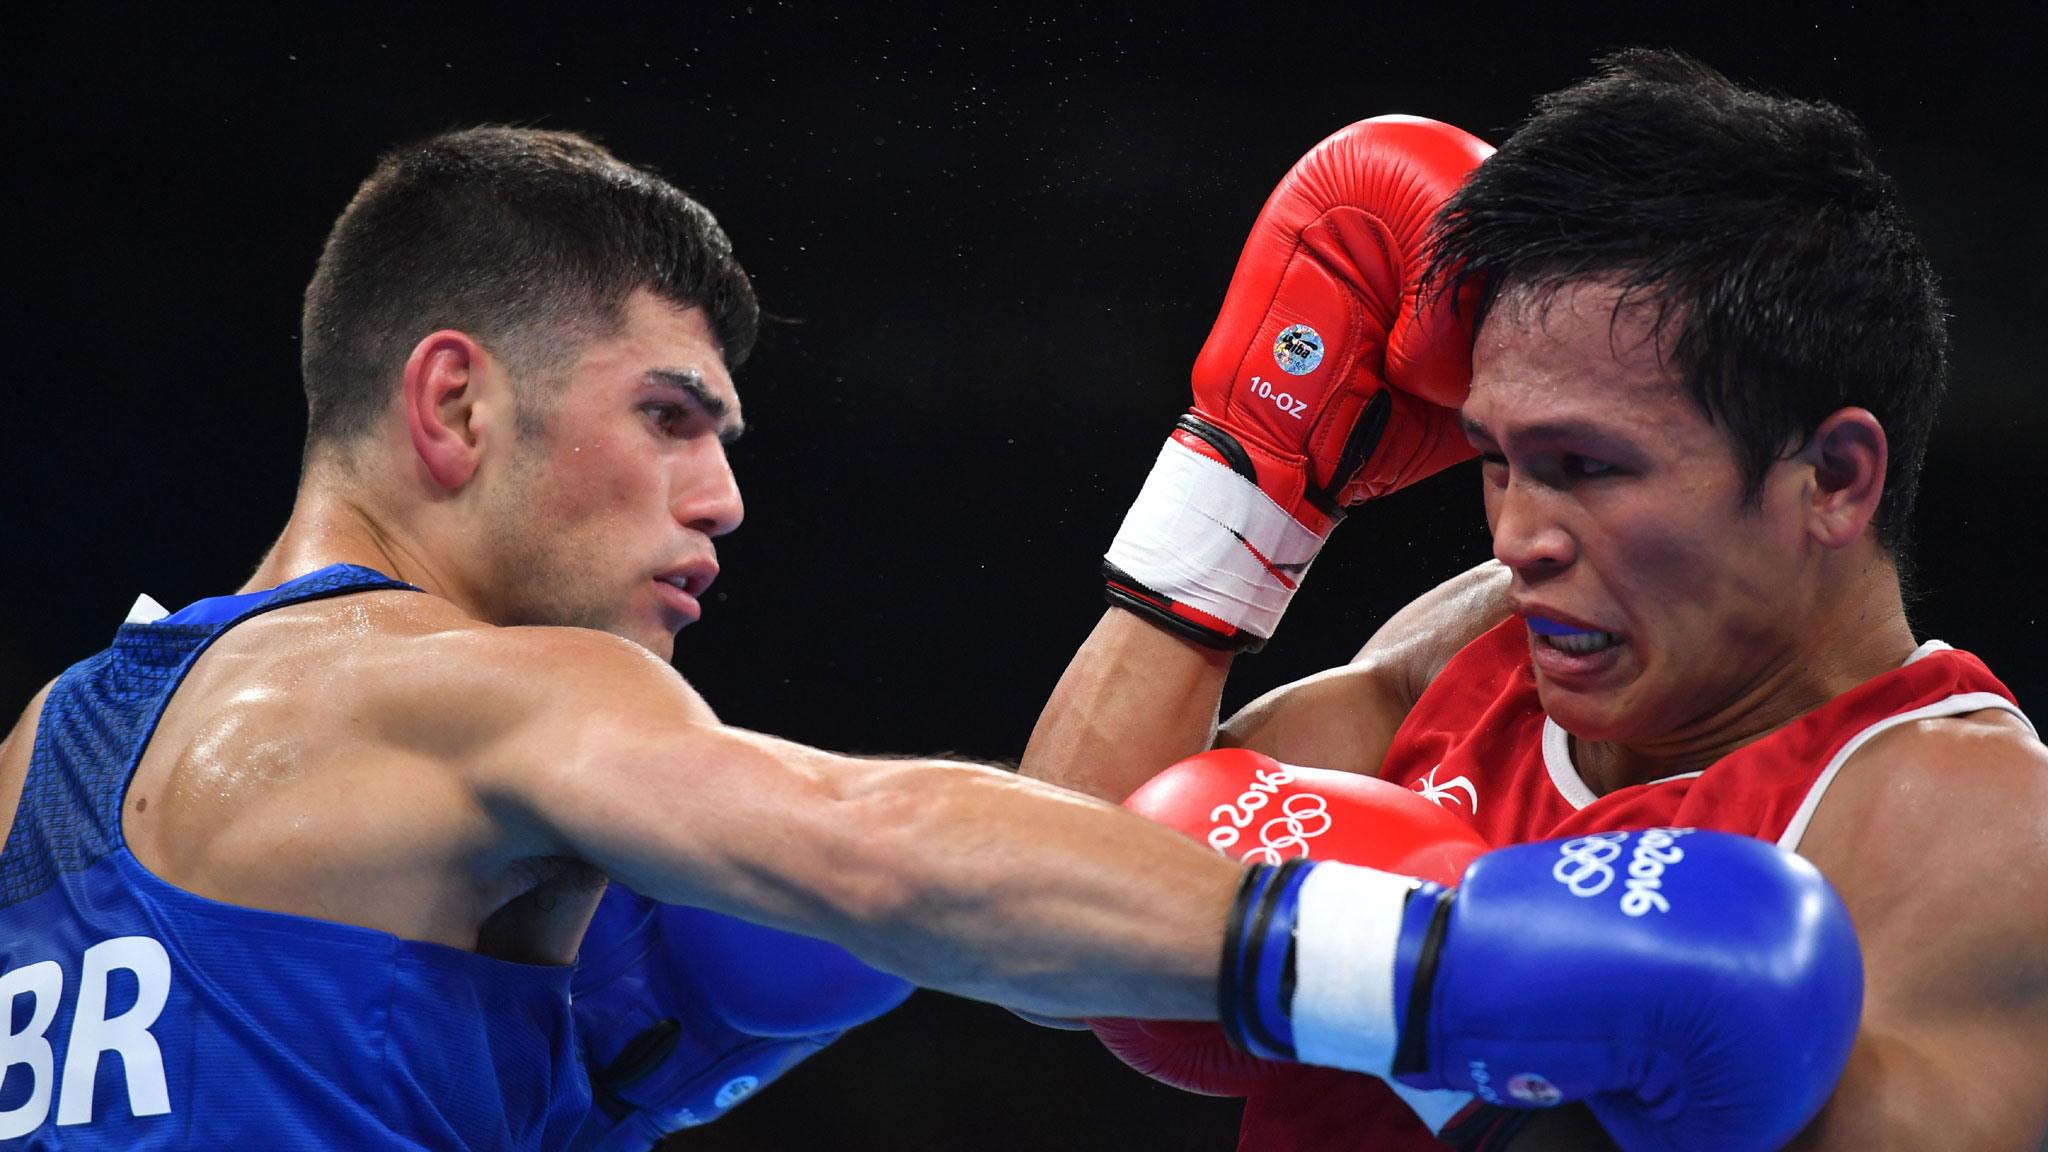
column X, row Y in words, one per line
column 683, row 1013
column 1698, row 990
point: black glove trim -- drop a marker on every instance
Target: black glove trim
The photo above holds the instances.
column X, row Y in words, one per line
column 1411, row 1052
column 1125, row 592
column 1358, row 448
column 1223, row 442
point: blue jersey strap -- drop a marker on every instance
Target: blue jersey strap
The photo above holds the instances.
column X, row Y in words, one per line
column 216, row 611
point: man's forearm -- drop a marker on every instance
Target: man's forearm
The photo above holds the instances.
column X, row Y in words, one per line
column 984, row 884
column 1135, row 699
column 961, row 877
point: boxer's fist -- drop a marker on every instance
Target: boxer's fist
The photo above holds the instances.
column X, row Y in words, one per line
column 1700, row 991
column 683, row 1013
column 1324, row 308
column 1251, row 807
column 1326, row 381
column 1648, row 973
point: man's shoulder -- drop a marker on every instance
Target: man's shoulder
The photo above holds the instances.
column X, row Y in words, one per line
column 1933, row 838
column 1983, row 760
column 414, row 667
column 1964, row 793
column 413, row 635
column 1424, row 637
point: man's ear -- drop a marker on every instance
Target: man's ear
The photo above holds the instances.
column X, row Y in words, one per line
column 1848, row 454
column 440, row 399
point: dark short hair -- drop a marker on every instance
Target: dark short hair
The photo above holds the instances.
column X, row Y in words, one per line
column 530, row 241
column 1786, row 280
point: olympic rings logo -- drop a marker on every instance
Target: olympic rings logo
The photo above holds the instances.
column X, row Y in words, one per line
column 1585, row 865
column 1303, row 816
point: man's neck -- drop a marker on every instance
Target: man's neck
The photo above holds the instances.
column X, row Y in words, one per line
column 330, row 524
column 1862, row 633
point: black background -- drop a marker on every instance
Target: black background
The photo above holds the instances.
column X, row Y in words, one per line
column 1000, row 234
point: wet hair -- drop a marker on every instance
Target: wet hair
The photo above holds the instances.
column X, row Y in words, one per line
column 529, row 241
column 1785, row 278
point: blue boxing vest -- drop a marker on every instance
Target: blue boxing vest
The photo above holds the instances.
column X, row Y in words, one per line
column 143, row 1016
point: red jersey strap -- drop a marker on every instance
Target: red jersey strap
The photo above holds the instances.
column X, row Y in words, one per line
column 1954, row 683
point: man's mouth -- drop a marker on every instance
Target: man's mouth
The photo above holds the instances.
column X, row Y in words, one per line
column 686, row 584
column 1570, row 638
column 692, row 579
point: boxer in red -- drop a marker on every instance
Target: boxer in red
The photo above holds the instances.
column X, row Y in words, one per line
column 1688, row 331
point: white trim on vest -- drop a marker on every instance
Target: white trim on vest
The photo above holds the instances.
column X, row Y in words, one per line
column 146, row 611
column 1954, row 705
column 1564, row 775
column 1928, row 649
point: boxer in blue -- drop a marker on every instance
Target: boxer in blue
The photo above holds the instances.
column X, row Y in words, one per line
column 307, row 866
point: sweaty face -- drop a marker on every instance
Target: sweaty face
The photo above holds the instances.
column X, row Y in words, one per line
column 1661, row 607
column 603, row 516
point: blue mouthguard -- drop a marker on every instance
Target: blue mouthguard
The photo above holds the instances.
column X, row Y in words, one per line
column 1542, row 627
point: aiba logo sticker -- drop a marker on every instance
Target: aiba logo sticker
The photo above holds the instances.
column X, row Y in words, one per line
column 735, row 1090
column 1532, row 1089
column 1298, row 350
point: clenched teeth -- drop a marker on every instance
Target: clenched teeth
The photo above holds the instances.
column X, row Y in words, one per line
column 1582, row 642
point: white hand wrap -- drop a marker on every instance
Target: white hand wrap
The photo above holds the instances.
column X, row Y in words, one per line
column 1344, row 937
column 1206, row 537
column 1343, row 1013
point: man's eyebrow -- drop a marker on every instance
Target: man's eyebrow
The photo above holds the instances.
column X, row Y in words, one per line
column 1550, row 430
column 691, row 382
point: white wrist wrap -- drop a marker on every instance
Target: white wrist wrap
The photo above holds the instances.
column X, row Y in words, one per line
column 1204, row 536
column 1345, row 930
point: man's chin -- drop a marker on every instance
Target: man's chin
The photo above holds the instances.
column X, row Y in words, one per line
column 1596, row 716
column 656, row 638
column 662, row 644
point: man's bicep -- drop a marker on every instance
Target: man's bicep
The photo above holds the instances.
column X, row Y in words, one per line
column 608, row 756
column 700, row 814
column 1345, row 718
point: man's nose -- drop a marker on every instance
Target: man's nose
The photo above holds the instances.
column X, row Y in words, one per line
column 708, row 498
column 1528, row 535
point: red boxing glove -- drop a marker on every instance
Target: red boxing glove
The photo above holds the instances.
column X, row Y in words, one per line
column 1324, row 383
column 1304, row 1108
column 1251, row 807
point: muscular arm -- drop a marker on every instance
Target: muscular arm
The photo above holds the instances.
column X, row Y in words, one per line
column 959, row 877
column 1136, row 698
column 1936, row 836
